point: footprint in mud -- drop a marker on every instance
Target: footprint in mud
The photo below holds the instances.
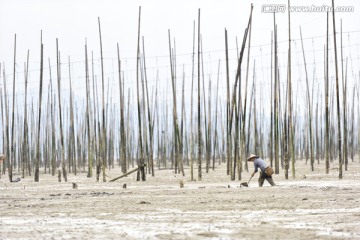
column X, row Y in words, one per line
column 55, row 195
column 100, row 193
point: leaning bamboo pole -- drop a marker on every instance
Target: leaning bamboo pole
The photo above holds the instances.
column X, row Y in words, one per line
column 37, row 160
column 238, row 79
column 309, row 108
column 337, row 97
column 150, row 121
column 243, row 152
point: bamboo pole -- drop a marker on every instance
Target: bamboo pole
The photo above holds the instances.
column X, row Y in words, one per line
column 327, row 126
column 25, row 145
column 71, row 148
column 192, row 155
column 216, row 118
column 337, row 96
column 199, row 110
column 7, row 164
column 141, row 160
column 309, row 108
column 122, row 125
column 89, row 149
column 103, row 137
column 271, row 150
column 276, row 102
column 344, row 85
column 243, row 153
column 60, row 113
column 12, row 158
column 290, row 143
column 228, row 122
column 2, row 124
column 37, row 160
column 150, row 124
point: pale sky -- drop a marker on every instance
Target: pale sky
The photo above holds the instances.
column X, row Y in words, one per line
column 74, row 21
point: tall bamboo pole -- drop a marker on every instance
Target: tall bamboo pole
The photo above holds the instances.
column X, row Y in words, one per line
column 37, row 160
column 25, row 146
column 89, row 149
column 53, row 133
column 228, row 133
column 243, row 153
column 12, row 158
column 344, row 85
column 309, row 108
column 7, row 141
column 290, row 143
column 141, row 160
column 276, row 100
column 327, row 125
column 2, row 124
column 192, row 155
column 199, row 110
column 71, row 149
column 150, row 124
column 122, row 124
column 337, row 96
column 271, row 152
column 103, row 137
column 216, row 118
column 60, row 113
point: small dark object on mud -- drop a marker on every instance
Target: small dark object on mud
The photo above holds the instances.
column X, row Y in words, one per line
column 228, row 186
column 144, row 202
column 74, row 185
column 124, row 185
column 304, row 199
column 246, row 184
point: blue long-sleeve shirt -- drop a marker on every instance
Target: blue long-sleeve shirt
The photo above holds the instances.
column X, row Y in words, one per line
column 259, row 163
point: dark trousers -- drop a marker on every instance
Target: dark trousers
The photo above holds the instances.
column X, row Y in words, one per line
column 262, row 178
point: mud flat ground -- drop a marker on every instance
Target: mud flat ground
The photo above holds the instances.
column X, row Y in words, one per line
column 313, row 206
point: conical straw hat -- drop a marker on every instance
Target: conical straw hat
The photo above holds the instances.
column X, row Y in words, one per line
column 252, row 156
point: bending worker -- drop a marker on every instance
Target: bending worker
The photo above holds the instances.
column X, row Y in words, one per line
column 266, row 171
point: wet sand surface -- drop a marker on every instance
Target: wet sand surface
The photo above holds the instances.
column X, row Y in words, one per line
column 313, row 206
